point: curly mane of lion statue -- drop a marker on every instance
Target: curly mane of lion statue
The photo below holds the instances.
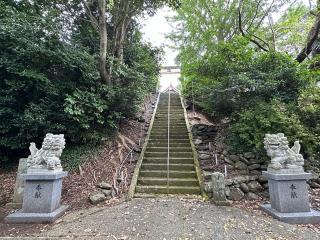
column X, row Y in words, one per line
column 282, row 156
column 48, row 157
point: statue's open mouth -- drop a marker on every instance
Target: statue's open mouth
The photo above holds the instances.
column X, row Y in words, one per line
column 274, row 145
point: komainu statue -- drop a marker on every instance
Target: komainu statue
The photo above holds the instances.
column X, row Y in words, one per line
column 283, row 158
column 48, row 157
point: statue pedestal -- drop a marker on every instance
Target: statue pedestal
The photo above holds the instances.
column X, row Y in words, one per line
column 19, row 186
column 289, row 198
column 41, row 198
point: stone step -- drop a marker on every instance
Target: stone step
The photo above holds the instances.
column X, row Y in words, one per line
column 172, row 116
column 172, row 136
column 172, row 160
column 168, row 189
column 160, row 126
column 164, row 112
column 172, row 127
column 172, row 112
column 172, row 181
column 153, row 195
column 153, row 140
column 171, row 149
column 171, row 145
column 154, row 172
column 164, row 107
column 176, row 140
column 172, row 154
column 172, row 174
column 165, row 124
column 172, row 131
column 172, row 119
column 164, row 166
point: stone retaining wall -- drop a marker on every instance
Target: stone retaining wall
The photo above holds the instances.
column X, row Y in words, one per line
column 245, row 179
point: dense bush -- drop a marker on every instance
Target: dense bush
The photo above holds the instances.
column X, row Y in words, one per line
column 259, row 92
column 37, row 71
column 236, row 79
column 249, row 127
column 48, row 84
column 309, row 107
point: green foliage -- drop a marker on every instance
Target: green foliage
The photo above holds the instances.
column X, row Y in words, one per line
column 37, row 71
column 227, row 76
column 249, row 127
column 49, row 81
column 292, row 28
column 85, row 108
column 309, row 107
column 235, row 78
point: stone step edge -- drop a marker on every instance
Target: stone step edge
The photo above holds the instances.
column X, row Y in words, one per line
column 161, row 195
column 170, row 187
column 165, row 171
column 172, row 158
column 172, row 179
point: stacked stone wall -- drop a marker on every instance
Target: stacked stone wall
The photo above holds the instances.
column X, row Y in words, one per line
column 244, row 170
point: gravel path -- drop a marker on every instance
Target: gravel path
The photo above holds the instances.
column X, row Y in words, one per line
column 173, row 219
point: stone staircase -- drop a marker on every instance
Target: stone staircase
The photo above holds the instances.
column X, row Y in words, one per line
column 157, row 175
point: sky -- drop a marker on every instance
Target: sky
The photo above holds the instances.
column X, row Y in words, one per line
column 155, row 29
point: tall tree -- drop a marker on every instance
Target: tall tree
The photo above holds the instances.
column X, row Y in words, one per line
column 118, row 14
column 202, row 25
column 249, row 25
column 96, row 11
column 313, row 35
column 124, row 11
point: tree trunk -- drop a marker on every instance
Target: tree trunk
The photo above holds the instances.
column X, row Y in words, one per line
column 120, row 40
column 123, row 18
column 105, row 78
column 312, row 37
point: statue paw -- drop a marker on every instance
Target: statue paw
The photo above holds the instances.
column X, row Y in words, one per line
column 276, row 166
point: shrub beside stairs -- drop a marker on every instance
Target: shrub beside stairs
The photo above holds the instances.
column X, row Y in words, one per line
column 157, row 175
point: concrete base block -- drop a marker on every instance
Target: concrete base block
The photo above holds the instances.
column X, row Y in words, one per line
column 22, row 217
column 312, row 217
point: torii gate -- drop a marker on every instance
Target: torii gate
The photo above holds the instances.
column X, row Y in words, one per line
column 170, row 70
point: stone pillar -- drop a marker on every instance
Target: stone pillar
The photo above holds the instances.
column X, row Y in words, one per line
column 19, row 185
column 41, row 199
column 218, row 189
column 289, row 201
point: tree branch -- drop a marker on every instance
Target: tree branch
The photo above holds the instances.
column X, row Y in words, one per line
column 93, row 19
column 312, row 37
column 254, row 16
column 244, row 33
